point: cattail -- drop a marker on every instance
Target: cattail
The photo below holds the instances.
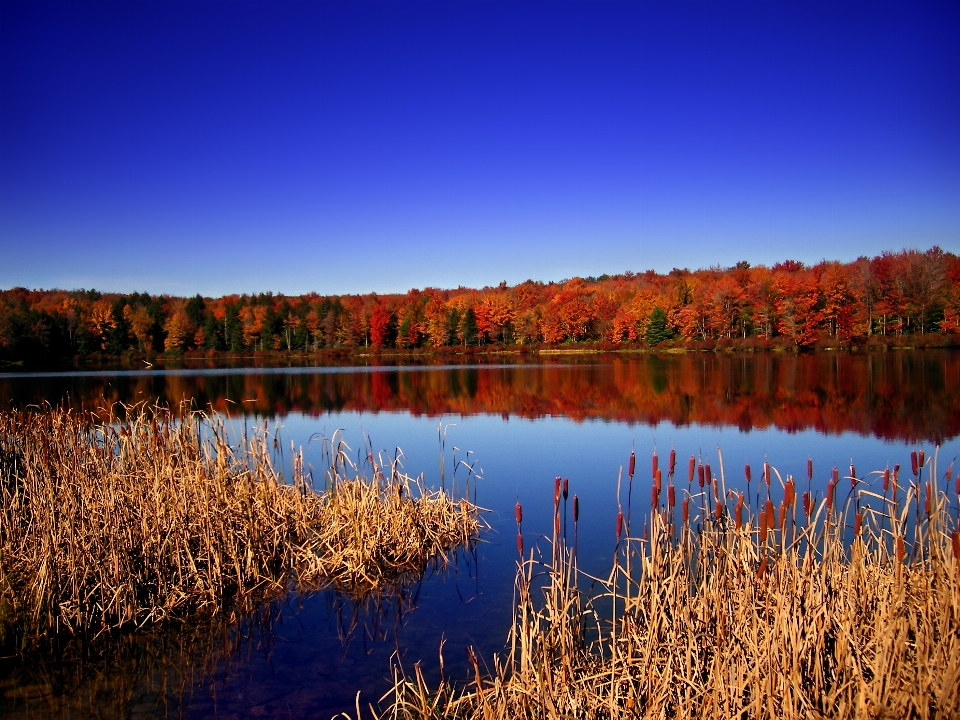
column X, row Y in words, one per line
column 519, row 514
column 858, row 521
column 576, row 508
column 956, row 544
column 746, row 471
column 771, row 517
column 958, row 483
column 720, row 507
column 809, row 469
column 763, row 526
column 671, row 495
column 783, row 515
column 766, row 473
column 913, row 461
column 762, row 569
column 520, row 544
column 654, row 496
column 853, row 476
column 693, row 465
column 556, row 491
column 556, row 524
column 566, row 488
column 901, row 552
column 830, row 486
column 716, row 491
column 709, row 474
column 921, row 460
column 673, row 461
column 836, row 476
column 790, row 493
column 657, row 479
column 896, row 479
column 686, row 510
column 926, row 503
column 633, row 464
column 806, row 505
column 646, row 534
column 886, row 480
column 654, row 465
column 619, row 524
column 738, row 516
column 700, row 475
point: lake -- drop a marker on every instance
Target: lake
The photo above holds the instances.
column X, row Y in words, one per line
column 518, row 425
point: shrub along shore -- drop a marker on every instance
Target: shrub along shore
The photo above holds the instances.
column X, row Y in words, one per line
column 139, row 514
column 723, row 604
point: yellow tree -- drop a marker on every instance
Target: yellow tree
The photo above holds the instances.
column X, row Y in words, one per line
column 141, row 324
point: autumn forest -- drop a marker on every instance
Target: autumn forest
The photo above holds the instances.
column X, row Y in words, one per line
column 907, row 297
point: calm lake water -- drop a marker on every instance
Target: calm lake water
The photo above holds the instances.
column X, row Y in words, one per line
column 522, row 424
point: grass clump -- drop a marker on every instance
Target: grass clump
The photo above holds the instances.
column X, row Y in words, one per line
column 731, row 608
column 140, row 514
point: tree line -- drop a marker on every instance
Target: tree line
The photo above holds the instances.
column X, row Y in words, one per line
column 894, row 294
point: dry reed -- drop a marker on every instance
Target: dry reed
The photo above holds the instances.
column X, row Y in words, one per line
column 850, row 612
column 127, row 518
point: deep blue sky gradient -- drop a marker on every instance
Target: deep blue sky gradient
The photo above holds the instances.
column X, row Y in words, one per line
column 347, row 147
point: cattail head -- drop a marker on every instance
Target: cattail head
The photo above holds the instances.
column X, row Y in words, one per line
column 519, row 514
column 700, row 475
column 790, row 493
column 886, row 480
column 654, row 464
column 746, row 472
column 809, row 469
column 920, row 460
column 762, row 569
column 632, row 466
column 619, row 524
column 716, row 490
column 520, row 544
column 766, row 473
column 806, row 505
column 693, row 465
column 958, row 483
column 783, row 514
column 673, row 461
column 654, row 496
column 901, row 552
column 566, row 488
column 556, row 524
column 576, row 508
column 738, row 516
column 709, row 474
column 685, row 510
column 771, row 517
column 913, row 461
column 836, row 476
column 556, row 491
column 926, row 503
column 671, row 495
column 956, row 544
column 657, row 479
column 858, row 521
column 853, row 476
column 719, row 510
column 830, row 486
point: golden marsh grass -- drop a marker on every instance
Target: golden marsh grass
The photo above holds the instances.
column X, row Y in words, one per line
column 844, row 606
column 139, row 514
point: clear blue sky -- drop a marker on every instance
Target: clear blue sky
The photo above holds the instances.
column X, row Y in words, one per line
column 212, row 147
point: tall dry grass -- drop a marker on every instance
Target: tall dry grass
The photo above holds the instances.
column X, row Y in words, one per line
column 842, row 606
column 128, row 518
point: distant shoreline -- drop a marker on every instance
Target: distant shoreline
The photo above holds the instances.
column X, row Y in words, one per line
column 352, row 356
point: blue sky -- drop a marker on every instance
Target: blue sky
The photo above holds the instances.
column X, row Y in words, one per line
column 185, row 147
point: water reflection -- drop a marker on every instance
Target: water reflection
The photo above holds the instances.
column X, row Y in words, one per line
column 909, row 396
column 202, row 667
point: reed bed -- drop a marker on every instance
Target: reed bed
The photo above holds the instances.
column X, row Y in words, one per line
column 138, row 514
column 730, row 605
